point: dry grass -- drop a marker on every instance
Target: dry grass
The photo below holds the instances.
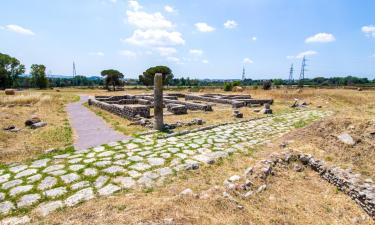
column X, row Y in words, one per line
column 25, row 99
column 28, row 143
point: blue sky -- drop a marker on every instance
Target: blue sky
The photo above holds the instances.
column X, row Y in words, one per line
column 199, row 39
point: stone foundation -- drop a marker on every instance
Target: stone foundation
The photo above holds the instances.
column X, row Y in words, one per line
column 177, row 109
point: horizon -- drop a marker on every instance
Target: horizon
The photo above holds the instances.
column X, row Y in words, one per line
column 265, row 37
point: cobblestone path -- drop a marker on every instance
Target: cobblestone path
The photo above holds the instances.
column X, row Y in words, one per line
column 68, row 178
column 90, row 130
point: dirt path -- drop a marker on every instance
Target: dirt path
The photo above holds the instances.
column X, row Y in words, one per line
column 89, row 129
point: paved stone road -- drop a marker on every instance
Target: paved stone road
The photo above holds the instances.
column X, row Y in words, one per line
column 90, row 130
column 69, row 178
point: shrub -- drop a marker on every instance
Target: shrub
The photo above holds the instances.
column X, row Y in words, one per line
column 267, row 84
column 228, row 86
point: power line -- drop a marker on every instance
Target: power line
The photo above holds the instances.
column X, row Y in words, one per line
column 303, row 69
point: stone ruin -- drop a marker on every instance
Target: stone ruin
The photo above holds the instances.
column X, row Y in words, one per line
column 137, row 107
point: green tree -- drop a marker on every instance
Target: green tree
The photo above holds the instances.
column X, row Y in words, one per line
column 112, row 77
column 10, row 69
column 147, row 78
column 38, row 76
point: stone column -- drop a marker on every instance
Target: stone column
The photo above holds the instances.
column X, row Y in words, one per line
column 158, row 101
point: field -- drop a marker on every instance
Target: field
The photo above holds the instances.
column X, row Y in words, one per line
column 290, row 198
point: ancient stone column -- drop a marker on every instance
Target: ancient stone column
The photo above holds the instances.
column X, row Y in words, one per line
column 158, row 101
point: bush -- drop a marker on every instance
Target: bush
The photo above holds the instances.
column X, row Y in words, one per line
column 228, row 86
column 267, row 84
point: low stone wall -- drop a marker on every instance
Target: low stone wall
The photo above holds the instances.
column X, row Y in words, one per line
column 235, row 104
column 177, row 109
column 189, row 105
column 361, row 190
column 236, row 101
column 128, row 111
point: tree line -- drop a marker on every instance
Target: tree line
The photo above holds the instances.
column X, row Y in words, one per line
column 11, row 76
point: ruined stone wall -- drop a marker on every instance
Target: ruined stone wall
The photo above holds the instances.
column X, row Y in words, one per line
column 189, row 105
column 177, row 109
column 236, row 101
column 128, row 111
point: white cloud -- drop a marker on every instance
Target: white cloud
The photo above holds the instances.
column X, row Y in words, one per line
column 254, row 38
column 134, row 5
column 145, row 20
column 166, row 51
column 302, row 54
column 113, row 1
column 196, row 52
column 128, row 53
column 155, row 38
column 19, row 29
column 205, row 61
column 369, row 30
column 96, row 53
column 173, row 59
column 230, row 24
column 247, row 61
column 204, row 27
column 169, row 8
column 321, row 37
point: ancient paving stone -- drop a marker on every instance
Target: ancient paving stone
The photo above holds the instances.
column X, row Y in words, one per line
column 106, row 154
column 99, row 149
column 69, row 178
column 131, row 146
column 121, row 162
column 125, row 182
column 140, row 166
column 56, row 192
column 2, row 196
column 91, row 155
column 91, row 172
column 47, row 183
column 48, row 207
column 101, row 181
column 4, row 178
column 156, row 161
column 89, row 160
column 20, row 189
column 17, row 169
column 151, row 175
column 34, row 178
column 76, row 160
column 76, row 167
column 25, row 173
column 57, row 172
column 80, row 185
column 119, row 156
column 15, row 220
column 165, row 171
column 108, row 190
column 135, row 158
column 114, row 170
column 40, row 163
column 63, row 156
column 103, row 163
column 28, row 200
column 53, row 168
column 11, row 184
column 134, row 174
column 80, row 196
column 6, row 207
column 145, row 181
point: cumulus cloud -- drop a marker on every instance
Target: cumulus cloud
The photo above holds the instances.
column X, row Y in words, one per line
column 230, row 24
column 155, row 38
column 205, row 61
column 134, row 5
column 369, row 30
column 19, row 30
column 145, row 20
column 197, row 52
column 152, row 30
column 321, row 38
column 302, row 54
column 169, row 8
column 96, row 53
column 254, row 38
column 166, row 51
column 128, row 53
column 247, row 61
column 204, row 27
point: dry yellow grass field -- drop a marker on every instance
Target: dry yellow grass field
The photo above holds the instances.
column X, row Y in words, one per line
column 291, row 198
